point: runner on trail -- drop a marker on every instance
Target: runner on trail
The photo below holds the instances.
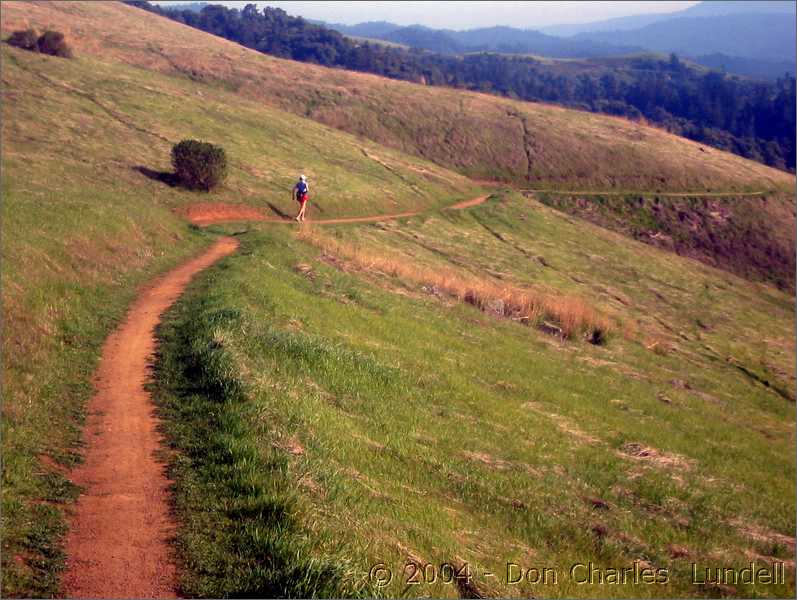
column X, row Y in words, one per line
column 300, row 192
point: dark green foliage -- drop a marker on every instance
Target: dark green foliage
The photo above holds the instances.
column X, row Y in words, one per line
column 199, row 165
column 750, row 118
column 50, row 42
column 54, row 44
column 27, row 39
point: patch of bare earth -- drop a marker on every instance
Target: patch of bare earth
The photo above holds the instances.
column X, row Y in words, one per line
column 291, row 445
column 653, row 456
column 486, row 459
column 207, row 213
column 312, row 486
column 764, row 536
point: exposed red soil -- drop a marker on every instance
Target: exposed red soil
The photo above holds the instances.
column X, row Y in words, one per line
column 468, row 203
column 210, row 213
column 118, row 542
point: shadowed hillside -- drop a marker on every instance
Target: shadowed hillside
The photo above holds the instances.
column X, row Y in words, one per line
column 479, row 135
column 752, row 236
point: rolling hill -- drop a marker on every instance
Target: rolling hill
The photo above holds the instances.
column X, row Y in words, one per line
column 497, row 39
column 752, row 39
column 479, row 135
column 531, row 145
column 446, row 391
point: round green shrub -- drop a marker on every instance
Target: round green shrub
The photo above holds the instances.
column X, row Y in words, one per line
column 53, row 43
column 199, row 165
column 26, row 39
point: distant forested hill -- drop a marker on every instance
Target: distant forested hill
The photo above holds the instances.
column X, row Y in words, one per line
column 498, row 39
column 756, row 35
column 753, row 39
column 749, row 67
column 752, row 119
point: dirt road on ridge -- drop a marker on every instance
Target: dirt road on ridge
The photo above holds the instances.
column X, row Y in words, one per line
column 118, row 542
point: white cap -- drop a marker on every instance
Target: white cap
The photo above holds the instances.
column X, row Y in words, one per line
column 302, row 177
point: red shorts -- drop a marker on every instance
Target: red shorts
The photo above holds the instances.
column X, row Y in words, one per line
column 301, row 198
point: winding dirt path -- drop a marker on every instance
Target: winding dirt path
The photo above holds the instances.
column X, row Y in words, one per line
column 208, row 213
column 205, row 213
column 118, row 545
column 118, row 542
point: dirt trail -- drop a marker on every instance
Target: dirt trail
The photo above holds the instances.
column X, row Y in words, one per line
column 118, row 543
column 206, row 213
column 468, row 203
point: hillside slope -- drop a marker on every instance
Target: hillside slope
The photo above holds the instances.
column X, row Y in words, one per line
column 385, row 419
column 479, row 135
column 87, row 218
column 752, row 236
column 402, row 423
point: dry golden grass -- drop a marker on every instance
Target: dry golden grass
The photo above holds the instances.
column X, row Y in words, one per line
column 564, row 315
column 480, row 135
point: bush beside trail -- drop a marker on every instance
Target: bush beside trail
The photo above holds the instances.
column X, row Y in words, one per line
column 199, row 165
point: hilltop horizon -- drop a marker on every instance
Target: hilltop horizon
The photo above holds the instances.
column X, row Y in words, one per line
column 564, row 18
column 460, row 16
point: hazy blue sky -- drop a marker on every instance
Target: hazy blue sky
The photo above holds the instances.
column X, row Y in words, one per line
column 467, row 15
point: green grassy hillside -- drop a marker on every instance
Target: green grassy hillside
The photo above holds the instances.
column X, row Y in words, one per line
column 397, row 393
column 86, row 219
column 477, row 134
column 398, row 425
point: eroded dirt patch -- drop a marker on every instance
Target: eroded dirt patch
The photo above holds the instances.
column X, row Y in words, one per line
column 654, row 456
column 764, row 536
column 207, row 213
